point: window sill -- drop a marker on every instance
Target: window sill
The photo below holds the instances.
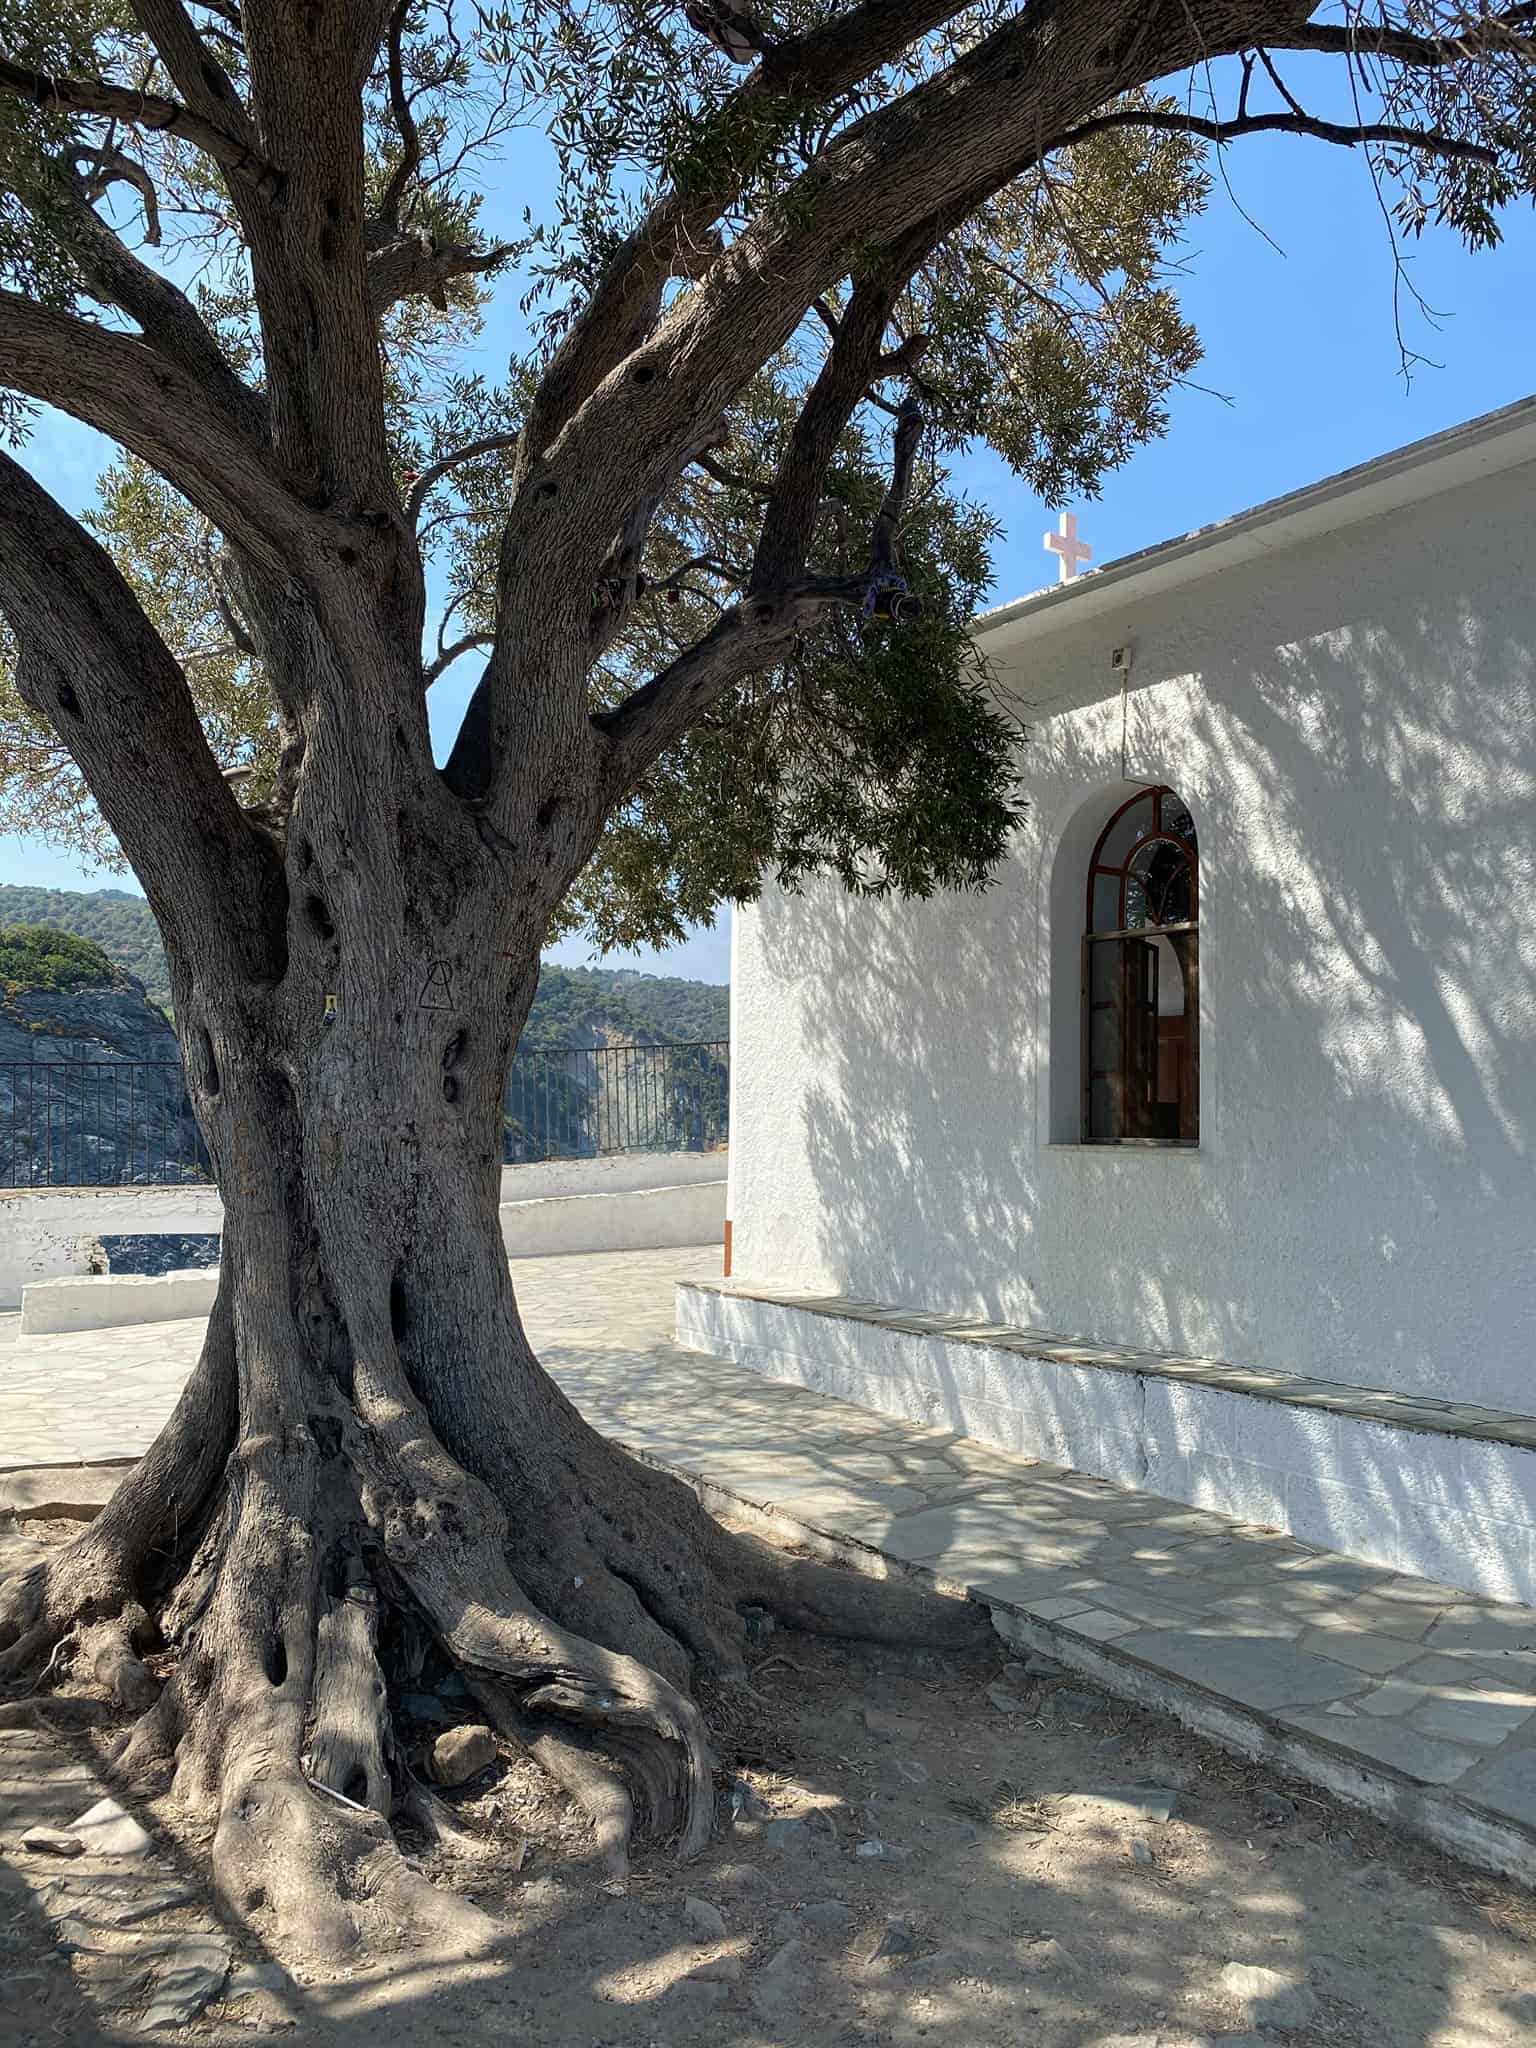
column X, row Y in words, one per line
column 1139, row 1146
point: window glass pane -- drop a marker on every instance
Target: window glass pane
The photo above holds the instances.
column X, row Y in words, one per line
column 1104, row 1048
column 1158, row 888
column 1106, row 903
column 1132, row 826
column 1176, row 818
column 1103, row 1125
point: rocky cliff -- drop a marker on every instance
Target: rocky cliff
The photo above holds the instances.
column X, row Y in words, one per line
column 90, row 1075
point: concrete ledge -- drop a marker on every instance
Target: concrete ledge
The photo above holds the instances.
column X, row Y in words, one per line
column 1430, row 1489
column 633, row 1220
column 107, row 1300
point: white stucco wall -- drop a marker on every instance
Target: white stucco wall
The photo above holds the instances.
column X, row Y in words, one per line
column 1353, row 722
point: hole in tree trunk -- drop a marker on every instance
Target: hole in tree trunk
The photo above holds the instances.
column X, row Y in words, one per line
column 399, row 1307
column 277, row 1662
column 356, row 1787
column 319, row 917
column 210, row 1065
column 68, row 701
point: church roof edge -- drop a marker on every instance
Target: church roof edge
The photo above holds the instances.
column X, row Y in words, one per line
column 1457, row 455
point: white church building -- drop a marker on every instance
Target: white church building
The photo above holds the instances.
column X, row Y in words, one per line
column 1199, row 1152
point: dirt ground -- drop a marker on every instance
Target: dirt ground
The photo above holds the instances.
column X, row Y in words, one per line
column 977, row 1859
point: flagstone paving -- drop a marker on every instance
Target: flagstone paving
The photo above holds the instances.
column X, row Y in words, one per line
column 1419, row 1698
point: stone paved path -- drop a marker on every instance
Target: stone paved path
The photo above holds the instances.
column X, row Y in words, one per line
column 1416, row 1697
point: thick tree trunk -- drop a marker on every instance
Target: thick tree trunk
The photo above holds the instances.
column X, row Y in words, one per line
column 369, row 1457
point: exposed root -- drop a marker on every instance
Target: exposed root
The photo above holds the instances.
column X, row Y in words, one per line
column 53, row 1710
column 348, row 1743
column 834, row 1600
column 596, row 1785
column 107, row 1650
column 438, row 1822
column 330, row 1877
column 579, row 1595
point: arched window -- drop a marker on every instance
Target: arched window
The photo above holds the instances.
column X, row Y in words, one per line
column 1141, row 977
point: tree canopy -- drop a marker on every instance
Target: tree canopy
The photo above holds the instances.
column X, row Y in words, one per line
column 1030, row 306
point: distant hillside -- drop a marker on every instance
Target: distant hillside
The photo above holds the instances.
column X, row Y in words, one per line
column 597, row 1005
column 580, row 1006
column 91, row 1092
column 119, row 923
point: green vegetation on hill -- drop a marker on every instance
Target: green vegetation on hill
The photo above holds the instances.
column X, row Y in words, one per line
column 36, row 956
column 574, row 1005
column 580, row 1005
column 122, row 926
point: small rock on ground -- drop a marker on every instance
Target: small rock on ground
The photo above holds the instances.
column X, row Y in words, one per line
column 827, row 1916
column 106, row 1829
column 460, row 1754
column 908, row 1770
column 52, row 1842
column 783, row 1835
column 785, row 1978
column 1006, row 1702
column 897, row 1939
column 1269, row 1998
column 703, row 1921
column 1072, row 1705
column 193, row 1975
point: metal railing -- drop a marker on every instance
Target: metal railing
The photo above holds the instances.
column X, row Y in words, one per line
column 129, row 1123
column 577, row 1102
column 98, row 1123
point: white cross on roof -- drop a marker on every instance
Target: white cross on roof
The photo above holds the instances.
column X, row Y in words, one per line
column 1066, row 546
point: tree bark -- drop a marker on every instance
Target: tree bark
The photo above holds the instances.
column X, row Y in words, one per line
column 368, row 1447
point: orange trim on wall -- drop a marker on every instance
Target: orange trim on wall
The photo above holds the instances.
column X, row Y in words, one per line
column 726, row 1273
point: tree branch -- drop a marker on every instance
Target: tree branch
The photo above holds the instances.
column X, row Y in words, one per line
column 447, row 656
column 93, row 96
column 753, row 634
column 405, row 121
column 1480, row 37
column 680, row 227
column 433, row 474
column 128, row 390
column 420, row 264
column 165, row 315
column 1350, row 137
column 95, row 668
column 839, row 388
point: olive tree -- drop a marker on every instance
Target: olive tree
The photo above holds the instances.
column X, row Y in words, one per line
column 703, row 541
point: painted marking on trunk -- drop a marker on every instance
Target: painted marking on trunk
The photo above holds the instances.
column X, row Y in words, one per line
column 437, row 989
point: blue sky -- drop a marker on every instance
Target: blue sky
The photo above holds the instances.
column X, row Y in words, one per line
column 1300, row 346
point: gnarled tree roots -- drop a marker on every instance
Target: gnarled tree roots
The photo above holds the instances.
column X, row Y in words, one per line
column 290, row 1585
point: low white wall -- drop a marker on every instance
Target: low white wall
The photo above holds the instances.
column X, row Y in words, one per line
column 49, row 1233
column 633, row 1219
column 1446, row 1508
column 612, row 1175
column 628, row 1219
column 110, row 1300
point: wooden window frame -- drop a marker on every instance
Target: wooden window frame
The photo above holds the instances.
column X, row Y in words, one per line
column 1098, row 868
